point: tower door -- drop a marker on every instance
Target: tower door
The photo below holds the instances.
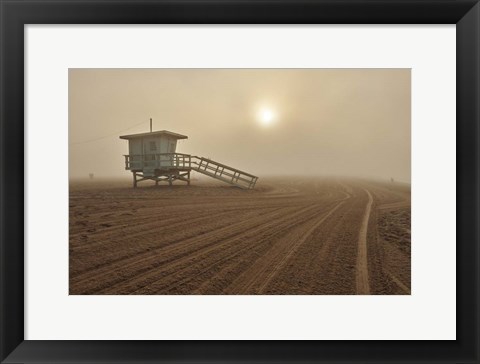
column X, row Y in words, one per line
column 150, row 151
column 172, row 144
column 151, row 147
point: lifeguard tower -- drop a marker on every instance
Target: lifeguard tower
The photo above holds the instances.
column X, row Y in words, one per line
column 153, row 156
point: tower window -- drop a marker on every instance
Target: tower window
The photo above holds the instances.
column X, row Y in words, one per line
column 153, row 146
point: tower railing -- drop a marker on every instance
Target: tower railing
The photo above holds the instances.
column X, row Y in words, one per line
column 157, row 161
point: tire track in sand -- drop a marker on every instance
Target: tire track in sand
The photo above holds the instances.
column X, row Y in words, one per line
column 261, row 273
column 398, row 282
column 141, row 258
column 183, row 252
column 363, row 286
column 294, row 248
column 285, row 227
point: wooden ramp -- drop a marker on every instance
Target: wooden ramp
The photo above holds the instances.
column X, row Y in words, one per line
column 223, row 172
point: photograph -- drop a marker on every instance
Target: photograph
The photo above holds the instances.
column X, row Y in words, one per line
column 219, row 181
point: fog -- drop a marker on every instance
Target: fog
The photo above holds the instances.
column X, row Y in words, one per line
column 348, row 122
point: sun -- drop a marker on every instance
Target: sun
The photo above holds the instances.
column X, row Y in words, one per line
column 266, row 117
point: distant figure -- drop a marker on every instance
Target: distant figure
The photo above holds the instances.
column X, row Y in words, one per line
column 90, row 175
column 391, row 179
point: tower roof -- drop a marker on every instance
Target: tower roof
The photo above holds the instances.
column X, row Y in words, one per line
column 154, row 133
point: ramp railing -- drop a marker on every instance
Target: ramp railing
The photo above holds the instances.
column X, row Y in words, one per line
column 223, row 172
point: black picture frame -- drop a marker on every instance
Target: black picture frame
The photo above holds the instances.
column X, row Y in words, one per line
column 15, row 14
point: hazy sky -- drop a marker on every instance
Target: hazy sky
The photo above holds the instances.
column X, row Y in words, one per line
column 353, row 122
